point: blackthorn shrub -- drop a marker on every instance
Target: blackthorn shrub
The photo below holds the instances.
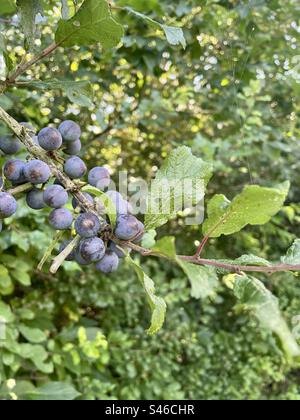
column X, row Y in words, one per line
column 94, row 245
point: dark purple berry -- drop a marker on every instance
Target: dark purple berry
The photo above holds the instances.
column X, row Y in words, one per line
column 35, row 199
column 73, row 148
column 69, row 130
column 10, row 145
column 8, row 205
column 127, row 227
column 92, row 249
column 61, row 219
column 14, row 170
column 87, row 225
column 37, row 172
column 50, row 139
column 109, row 263
column 75, row 168
column 99, row 176
column 55, row 196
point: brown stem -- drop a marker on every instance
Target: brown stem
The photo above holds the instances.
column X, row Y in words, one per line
column 218, row 264
column 23, row 67
column 59, row 260
column 207, row 237
column 20, row 189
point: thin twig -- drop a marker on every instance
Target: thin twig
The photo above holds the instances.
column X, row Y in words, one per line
column 208, row 236
column 236, row 268
column 59, row 260
column 50, row 249
column 20, row 189
column 23, row 67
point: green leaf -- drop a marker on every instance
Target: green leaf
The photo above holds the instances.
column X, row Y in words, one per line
column 254, row 206
column 6, row 313
column 293, row 254
column 22, row 277
column 92, row 23
column 204, row 280
column 2, row 42
column 7, row 7
column 7, row 59
column 148, row 240
column 80, row 92
column 157, row 304
column 174, row 35
column 37, row 354
column 54, row 391
column 259, row 302
column 33, row 335
column 28, row 9
column 252, row 260
column 111, row 210
column 6, row 284
column 181, row 179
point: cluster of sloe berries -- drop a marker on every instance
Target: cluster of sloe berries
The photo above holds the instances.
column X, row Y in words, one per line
column 95, row 246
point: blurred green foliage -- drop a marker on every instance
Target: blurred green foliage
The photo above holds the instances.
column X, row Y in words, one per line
column 233, row 97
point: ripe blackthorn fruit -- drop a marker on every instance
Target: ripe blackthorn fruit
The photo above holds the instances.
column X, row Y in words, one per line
column 69, row 130
column 50, row 139
column 122, row 206
column 35, row 199
column 37, row 172
column 109, row 263
column 73, row 148
column 92, row 249
column 14, row 170
column 61, row 219
column 8, row 205
column 99, row 176
column 87, row 225
column 80, row 260
column 127, row 227
column 10, row 145
column 75, row 167
column 55, row 196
